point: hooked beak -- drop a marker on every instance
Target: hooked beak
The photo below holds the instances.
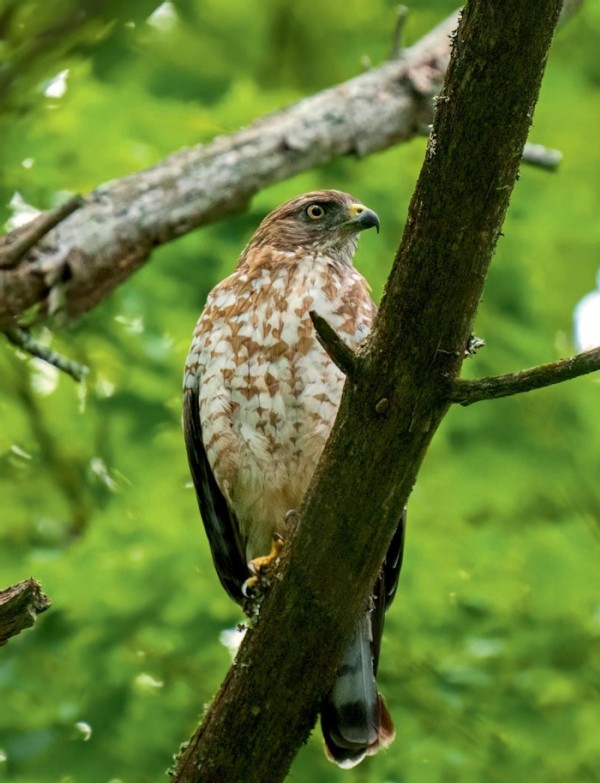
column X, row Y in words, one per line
column 362, row 217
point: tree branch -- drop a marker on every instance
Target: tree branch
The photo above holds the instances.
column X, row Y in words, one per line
column 397, row 46
column 19, row 607
column 467, row 392
column 269, row 700
column 22, row 339
column 342, row 355
column 113, row 234
column 533, row 154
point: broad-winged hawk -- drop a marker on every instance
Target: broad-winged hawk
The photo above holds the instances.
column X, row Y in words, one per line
column 260, row 399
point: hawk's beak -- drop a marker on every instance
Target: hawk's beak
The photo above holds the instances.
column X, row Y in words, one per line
column 362, row 217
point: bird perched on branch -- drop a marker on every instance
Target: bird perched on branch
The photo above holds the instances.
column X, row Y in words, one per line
column 260, row 399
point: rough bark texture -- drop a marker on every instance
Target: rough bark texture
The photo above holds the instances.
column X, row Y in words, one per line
column 113, row 234
column 19, row 607
column 468, row 392
column 268, row 703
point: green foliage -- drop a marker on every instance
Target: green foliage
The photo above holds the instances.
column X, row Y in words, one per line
column 491, row 655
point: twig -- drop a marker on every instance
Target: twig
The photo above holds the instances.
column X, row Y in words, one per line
column 10, row 255
column 23, row 339
column 398, row 35
column 468, row 392
column 19, row 607
column 342, row 355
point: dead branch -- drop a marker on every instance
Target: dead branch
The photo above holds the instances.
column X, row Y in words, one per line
column 113, row 234
column 21, row 338
column 542, row 157
column 19, row 607
column 342, row 355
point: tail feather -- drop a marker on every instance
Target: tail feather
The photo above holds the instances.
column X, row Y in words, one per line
column 354, row 719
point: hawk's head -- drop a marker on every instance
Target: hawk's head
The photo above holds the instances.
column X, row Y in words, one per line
column 323, row 220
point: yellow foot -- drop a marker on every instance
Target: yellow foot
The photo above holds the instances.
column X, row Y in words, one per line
column 260, row 566
column 263, row 563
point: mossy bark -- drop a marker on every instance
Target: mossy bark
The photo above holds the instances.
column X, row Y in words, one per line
column 270, row 698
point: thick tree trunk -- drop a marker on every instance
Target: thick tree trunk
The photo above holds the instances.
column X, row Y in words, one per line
column 394, row 400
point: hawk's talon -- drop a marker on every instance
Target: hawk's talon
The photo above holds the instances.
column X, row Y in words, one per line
column 256, row 586
column 249, row 586
column 291, row 518
column 259, row 564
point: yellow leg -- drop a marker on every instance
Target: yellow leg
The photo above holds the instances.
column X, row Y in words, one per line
column 259, row 566
column 262, row 563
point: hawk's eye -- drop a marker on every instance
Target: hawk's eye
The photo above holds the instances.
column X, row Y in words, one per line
column 315, row 211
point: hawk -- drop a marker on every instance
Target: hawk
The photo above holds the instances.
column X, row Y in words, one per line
column 260, row 399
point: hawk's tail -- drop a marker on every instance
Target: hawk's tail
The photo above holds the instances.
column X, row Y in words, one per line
column 354, row 719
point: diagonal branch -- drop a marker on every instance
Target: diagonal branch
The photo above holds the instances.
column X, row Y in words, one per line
column 113, row 234
column 22, row 339
column 467, row 392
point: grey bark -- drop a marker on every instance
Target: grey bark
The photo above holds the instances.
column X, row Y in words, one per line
column 113, row 233
column 91, row 252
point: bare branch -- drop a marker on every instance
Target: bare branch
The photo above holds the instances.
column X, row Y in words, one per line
column 22, row 339
column 19, row 607
column 342, row 355
column 107, row 240
column 533, row 154
column 467, row 392
column 397, row 38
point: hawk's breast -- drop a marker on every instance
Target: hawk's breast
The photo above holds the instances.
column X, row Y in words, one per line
column 268, row 391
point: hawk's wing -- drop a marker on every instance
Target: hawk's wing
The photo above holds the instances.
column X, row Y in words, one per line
column 219, row 523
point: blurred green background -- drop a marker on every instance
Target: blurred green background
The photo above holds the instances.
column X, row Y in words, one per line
column 491, row 654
